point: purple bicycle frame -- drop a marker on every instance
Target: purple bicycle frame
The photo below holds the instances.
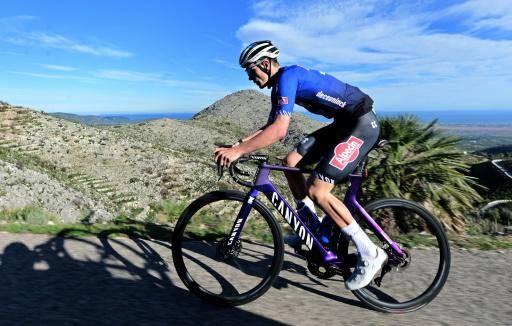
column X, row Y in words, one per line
column 264, row 185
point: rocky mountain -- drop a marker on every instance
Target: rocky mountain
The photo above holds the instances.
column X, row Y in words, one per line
column 246, row 111
column 78, row 171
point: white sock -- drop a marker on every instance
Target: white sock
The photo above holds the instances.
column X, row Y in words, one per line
column 364, row 245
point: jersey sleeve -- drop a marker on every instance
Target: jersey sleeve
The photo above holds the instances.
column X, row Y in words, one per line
column 283, row 95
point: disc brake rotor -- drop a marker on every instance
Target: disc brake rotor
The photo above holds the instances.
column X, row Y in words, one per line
column 225, row 252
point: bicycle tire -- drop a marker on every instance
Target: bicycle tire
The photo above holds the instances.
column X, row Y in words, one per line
column 178, row 253
column 367, row 294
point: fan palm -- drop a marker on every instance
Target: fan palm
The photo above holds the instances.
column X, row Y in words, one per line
column 423, row 165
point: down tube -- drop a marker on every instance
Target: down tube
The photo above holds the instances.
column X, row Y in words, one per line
column 295, row 222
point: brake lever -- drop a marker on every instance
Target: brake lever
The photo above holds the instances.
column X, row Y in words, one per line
column 220, row 171
column 220, row 168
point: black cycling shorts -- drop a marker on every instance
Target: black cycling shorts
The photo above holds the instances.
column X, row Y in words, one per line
column 339, row 147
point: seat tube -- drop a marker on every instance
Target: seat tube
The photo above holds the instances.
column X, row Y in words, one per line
column 242, row 216
column 351, row 202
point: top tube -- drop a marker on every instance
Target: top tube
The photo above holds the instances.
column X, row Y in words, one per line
column 285, row 168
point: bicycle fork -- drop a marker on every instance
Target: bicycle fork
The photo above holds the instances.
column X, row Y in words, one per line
column 242, row 217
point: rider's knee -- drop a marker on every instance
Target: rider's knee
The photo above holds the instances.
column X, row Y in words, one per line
column 318, row 195
column 291, row 159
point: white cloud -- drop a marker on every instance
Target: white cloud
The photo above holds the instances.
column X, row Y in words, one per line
column 54, row 76
column 485, row 13
column 56, row 67
column 161, row 79
column 207, row 86
column 379, row 45
column 13, row 30
column 227, row 64
column 131, row 76
column 14, row 21
column 61, row 42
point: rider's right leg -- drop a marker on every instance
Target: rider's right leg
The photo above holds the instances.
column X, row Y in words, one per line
column 296, row 181
column 305, row 205
column 371, row 258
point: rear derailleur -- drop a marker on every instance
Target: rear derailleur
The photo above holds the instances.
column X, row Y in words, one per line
column 397, row 263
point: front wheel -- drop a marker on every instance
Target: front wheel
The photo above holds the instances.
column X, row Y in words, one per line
column 413, row 281
column 217, row 273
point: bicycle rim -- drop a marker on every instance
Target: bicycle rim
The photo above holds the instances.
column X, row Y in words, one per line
column 413, row 283
column 220, row 277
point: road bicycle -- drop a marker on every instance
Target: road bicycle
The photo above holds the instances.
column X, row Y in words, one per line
column 228, row 247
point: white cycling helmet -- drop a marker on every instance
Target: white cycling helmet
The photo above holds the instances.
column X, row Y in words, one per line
column 256, row 52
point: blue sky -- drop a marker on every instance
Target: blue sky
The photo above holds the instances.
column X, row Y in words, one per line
column 169, row 56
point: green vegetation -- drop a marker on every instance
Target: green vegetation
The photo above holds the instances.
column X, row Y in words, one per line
column 135, row 229
column 482, row 242
column 166, row 211
column 423, row 165
column 32, row 215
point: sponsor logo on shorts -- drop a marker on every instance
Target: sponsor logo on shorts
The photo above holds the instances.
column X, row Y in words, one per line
column 282, row 100
column 346, row 152
column 323, row 177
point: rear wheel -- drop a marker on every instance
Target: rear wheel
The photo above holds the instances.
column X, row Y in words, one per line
column 215, row 272
column 413, row 281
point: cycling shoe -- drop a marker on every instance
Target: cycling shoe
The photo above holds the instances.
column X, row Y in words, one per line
column 365, row 270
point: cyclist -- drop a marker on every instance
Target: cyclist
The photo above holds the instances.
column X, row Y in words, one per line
column 336, row 149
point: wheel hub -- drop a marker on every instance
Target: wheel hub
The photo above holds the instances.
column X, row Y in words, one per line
column 226, row 252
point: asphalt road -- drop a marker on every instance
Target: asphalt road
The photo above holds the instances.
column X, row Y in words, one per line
column 82, row 281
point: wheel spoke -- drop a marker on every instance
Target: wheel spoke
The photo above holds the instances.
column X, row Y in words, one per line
column 415, row 280
column 220, row 273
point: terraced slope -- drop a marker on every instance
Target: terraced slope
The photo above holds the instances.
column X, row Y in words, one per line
column 122, row 173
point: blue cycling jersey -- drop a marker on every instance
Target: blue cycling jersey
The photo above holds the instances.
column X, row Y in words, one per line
column 318, row 92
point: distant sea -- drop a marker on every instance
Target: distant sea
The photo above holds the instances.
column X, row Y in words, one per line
column 451, row 117
column 488, row 117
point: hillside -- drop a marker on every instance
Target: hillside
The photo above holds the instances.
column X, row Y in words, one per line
column 78, row 171
column 92, row 120
column 114, row 173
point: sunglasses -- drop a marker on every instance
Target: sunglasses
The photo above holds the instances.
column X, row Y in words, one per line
column 250, row 71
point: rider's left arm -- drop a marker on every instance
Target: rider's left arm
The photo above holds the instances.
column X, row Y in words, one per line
column 271, row 134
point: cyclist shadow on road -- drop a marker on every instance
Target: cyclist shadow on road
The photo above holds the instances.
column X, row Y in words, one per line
column 289, row 265
column 292, row 276
column 67, row 280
